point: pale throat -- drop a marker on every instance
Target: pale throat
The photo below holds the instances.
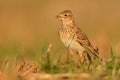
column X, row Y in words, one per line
column 68, row 23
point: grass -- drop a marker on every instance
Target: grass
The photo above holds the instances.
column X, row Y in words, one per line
column 25, row 63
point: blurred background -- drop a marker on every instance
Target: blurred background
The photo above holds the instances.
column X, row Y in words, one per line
column 32, row 21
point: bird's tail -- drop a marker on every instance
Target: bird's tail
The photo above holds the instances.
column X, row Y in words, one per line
column 95, row 53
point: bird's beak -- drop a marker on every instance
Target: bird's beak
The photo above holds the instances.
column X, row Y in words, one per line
column 58, row 16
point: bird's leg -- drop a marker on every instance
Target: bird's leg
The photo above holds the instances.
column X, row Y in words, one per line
column 79, row 58
column 84, row 58
column 87, row 59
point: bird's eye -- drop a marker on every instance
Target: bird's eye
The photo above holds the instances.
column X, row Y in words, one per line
column 65, row 14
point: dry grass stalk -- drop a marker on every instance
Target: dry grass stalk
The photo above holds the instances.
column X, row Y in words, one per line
column 49, row 49
column 26, row 67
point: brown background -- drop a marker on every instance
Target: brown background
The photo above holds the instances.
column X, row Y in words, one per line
column 29, row 21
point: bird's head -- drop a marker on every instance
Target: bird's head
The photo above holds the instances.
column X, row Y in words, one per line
column 66, row 17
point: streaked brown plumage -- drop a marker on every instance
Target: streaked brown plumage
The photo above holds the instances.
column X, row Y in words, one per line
column 72, row 36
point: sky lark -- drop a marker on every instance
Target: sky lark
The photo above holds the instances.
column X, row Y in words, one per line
column 73, row 37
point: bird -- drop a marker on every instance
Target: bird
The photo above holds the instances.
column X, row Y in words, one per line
column 74, row 38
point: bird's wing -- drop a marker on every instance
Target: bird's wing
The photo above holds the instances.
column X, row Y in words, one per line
column 81, row 37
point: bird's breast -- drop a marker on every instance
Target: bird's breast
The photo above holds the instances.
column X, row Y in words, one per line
column 69, row 40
